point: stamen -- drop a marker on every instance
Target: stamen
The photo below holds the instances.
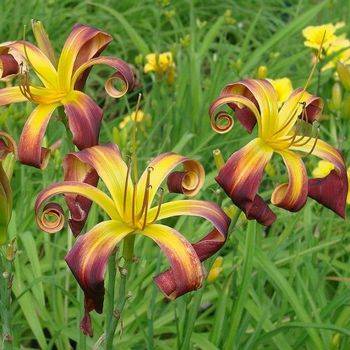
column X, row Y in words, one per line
column 305, row 87
column 146, row 194
column 133, row 203
column 146, row 206
column 159, row 205
column 126, row 183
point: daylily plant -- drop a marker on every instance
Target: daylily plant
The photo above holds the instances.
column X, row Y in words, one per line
column 62, row 82
column 285, row 131
column 7, row 146
column 130, row 211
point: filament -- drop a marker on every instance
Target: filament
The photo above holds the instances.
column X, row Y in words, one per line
column 306, row 84
column 146, row 206
column 146, row 194
column 159, row 205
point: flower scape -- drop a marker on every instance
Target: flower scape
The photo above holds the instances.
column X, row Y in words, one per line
column 224, row 237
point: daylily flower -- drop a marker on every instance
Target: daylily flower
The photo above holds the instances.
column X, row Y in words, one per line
column 131, row 211
column 7, row 146
column 325, row 34
column 284, row 131
column 137, row 117
column 62, row 85
column 331, row 43
column 162, row 64
column 324, row 168
column 283, row 87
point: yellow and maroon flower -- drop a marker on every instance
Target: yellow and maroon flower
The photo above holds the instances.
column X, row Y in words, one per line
column 62, row 83
column 286, row 130
column 131, row 211
column 7, row 146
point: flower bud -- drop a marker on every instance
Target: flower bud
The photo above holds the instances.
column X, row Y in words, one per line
column 344, row 75
column 8, row 165
column 346, row 107
column 11, row 250
column 43, row 40
column 215, row 270
column 336, row 96
column 270, row 170
column 262, row 72
column 218, row 159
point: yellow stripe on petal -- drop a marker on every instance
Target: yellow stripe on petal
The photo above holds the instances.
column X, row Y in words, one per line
column 30, row 151
column 11, row 95
column 186, row 272
column 112, row 169
column 161, row 167
column 37, row 59
column 89, row 255
column 82, row 189
column 293, row 195
column 204, row 209
column 83, row 43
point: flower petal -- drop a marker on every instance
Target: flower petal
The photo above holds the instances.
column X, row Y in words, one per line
column 213, row 241
column 35, row 58
column 84, row 118
column 293, row 195
column 247, row 115
column 5, row 205
column 82, row 44
column 124, row 74
column 330, row 191
column 161, row 167
column 262, row 95
column 43, row 41
column 30, row 151
column 69, row 187
column 300, row 104
column 186, row 273
column 79, row 206
column 88, row 260
column 7, row 145
column 11, row 95
column 8, row 66
column 240, row 178
column 111, row 168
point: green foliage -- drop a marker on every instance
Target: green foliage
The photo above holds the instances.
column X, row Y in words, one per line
column 285, row 288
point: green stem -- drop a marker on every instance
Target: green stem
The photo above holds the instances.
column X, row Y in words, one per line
column 6, row 286
column 112, row 270
column 113, row 315
column 238, row 306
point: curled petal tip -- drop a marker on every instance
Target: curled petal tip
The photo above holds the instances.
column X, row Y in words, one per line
column 51, row 219
column 183, row 182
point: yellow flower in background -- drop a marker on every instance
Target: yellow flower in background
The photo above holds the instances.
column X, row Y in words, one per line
column 138, row 116
column 283, row 88
column 215, row 270
column 162, row 64
column 332, row 43
column 323, row 169
column 314, row 35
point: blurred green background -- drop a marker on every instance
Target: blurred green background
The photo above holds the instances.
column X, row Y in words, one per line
column 283, row 288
